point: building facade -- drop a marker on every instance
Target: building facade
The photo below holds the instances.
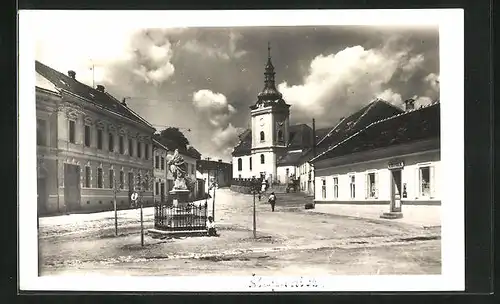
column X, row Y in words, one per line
column 217, row 172
column 394, row 162
column 89, row 146
column 161, row 182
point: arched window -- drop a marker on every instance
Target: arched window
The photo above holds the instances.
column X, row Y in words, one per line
column 262, row 160
column 262, row 137
column 250, row 164
column 240, row 164
column 280, row 135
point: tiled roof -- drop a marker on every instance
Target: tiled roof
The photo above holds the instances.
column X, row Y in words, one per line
column 204, row 165
column 99, row 98
column 300, row 136
column 374, row 111
column 245, row 145
column 290, row 158
column 407, row 127
column 170, row 145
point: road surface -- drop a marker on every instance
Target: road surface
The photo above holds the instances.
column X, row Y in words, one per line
column 290, row 241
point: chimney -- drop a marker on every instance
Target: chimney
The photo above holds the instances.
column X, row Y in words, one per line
column 123, row 102
column 410, row 104
column 314, row 137
column 100, row 88
column 72, row 74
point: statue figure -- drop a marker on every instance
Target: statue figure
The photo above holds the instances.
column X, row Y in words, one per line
column 177, row 167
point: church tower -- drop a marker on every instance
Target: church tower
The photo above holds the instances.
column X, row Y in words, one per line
column 270, row 117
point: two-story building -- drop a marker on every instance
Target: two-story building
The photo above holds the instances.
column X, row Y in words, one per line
column 218, row 172
column 161, row 183
column 89, row 146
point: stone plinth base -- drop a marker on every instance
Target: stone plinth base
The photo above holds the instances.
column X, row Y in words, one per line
column 391, row 215
column 155, row 233
column 179, row 197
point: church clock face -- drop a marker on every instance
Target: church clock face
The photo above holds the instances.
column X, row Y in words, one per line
column 261, row 121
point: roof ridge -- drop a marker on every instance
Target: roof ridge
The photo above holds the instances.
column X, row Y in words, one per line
column 375, row 123
column 129, row 109
column 330, row 132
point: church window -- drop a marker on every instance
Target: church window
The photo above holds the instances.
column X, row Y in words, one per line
column 280, row 135
column 262, row 137
column 240, row 164
column 250, row 164
column 262, row 160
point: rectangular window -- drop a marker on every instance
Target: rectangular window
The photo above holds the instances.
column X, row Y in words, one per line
column 146, row 151
column 157, row 162
column 352, row 179
column 162, row 190
column 130, row 147
column 323, row 188
column 157, row 188
column 335, row 187
column 162, row 163
column 121, row 144
column 41, row 132
column 111, row 179
column 72, row 130
column 371, row 185
column 111, row 143
column 139, row 154
column 99, row 139
column 425, row 181
column 99, row 178
column 87, row 136
column 122, row 179
column 87, row 177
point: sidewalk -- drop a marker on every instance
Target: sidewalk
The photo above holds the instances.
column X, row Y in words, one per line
column 423, row 216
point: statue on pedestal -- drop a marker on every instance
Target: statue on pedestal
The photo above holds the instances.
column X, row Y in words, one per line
column 177, row 167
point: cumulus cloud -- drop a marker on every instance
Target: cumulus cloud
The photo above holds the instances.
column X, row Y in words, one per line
column 214, row 106
column 390, row 96
column 409, row 66
column 152, row 57
column 347, row 79
column 225, row 50
column 433, row 80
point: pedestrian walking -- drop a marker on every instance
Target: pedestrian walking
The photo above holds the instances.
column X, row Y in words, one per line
column 211, row 226
column 272, row 200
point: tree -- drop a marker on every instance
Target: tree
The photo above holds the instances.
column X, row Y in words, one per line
column 175, row 137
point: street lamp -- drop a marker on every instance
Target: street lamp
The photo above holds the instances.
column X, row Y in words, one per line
column 254, row 186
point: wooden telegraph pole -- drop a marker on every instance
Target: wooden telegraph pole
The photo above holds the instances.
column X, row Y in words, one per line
column 254, row 189
column 115, row 190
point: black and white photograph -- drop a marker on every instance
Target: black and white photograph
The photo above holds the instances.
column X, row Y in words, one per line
column 241, row 150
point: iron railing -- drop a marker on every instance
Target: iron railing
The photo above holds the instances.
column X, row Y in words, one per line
column 180, row 218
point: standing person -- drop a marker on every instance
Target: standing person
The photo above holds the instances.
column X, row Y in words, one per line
column 272, row 200
column 211, row 226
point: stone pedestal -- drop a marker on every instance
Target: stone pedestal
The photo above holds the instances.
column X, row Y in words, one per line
column 179, row 197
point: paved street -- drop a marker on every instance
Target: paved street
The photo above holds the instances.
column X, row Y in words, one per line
column 291, row 241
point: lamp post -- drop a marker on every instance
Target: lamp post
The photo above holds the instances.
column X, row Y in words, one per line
column 253, row 186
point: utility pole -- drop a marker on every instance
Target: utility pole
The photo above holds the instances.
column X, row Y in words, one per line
column 254, row 189
column 115, row 190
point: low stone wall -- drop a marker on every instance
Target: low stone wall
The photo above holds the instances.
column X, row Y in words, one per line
column 241, row 189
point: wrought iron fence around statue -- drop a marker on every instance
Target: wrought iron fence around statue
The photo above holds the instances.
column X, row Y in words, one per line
column 181, row 217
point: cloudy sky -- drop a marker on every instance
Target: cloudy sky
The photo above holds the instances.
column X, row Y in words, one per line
column 205, row 79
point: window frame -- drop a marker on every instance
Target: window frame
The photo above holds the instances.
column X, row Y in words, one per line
column 111, row 178
column 352, row 185
column 100, row 139
column 121, row 144
column 240, row 164
column 88, row 176
column 262, row 136
column 262, row 159
column 72, row 131
column 335, row 180
column 100, row 178
column 111, row 142
column 43, row 131
column 87, row 135
column 122, row 179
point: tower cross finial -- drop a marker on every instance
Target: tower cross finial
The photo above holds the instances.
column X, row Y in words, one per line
column 269, row 49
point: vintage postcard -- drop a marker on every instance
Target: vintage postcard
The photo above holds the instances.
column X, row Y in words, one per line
column 241, row 150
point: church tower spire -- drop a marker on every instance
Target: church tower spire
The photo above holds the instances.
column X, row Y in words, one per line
column 269, row 93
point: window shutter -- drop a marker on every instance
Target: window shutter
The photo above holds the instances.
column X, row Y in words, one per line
column 376, row 184
column 432, row 181
column 367, row 185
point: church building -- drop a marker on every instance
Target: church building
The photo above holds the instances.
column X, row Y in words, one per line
column 271, row 136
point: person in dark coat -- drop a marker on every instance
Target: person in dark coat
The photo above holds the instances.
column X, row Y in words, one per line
column 272, row 200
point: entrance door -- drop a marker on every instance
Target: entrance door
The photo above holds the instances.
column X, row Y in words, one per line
column 41, row 189
column 72, row 187
column 396, row 190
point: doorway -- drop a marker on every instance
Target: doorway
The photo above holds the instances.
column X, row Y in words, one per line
column 41, row 189
column 396, row 190
column 71, row 187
